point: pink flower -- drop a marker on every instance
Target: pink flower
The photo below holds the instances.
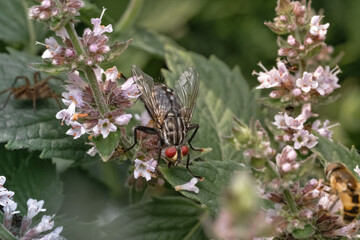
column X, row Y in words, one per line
column 286, row 161
column 306, row 83
column 316, row 29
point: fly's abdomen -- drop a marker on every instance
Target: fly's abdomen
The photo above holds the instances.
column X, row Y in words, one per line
column 174, row 131
column 351, row 206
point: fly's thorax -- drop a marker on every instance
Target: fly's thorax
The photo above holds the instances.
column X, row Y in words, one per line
column 174, row 130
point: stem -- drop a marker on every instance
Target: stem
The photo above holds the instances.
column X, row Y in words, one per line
column 98, row 97
column 75, row 39
column 129, row 16
column 290, row 200
column 30, row 23
column 89, row 72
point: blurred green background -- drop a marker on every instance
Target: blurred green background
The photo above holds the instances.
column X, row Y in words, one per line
column 234, row 32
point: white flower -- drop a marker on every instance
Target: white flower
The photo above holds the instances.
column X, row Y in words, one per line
column 2, row 181
column 130, row 89
column 324, row 130
column 306, row 83
column 54, row 235
column 123, row 119
column 316, row 29
column 92, row 151
column 303, row 138
column 144, row 169
column 5, row 197
column 98, row 28
column 280, row 121
column 189, row 186
column 66, row 114
column 98, row 73
column 52, row 47
column 45, row 224
column 306, row 111
column 76, row 130
column 34, row 207
column 104, row 127
column 62, row 33
column 286, row 160
column 9, row 209
column 112, row 74
column 357, row 170
column 297, row 123
column 144, row 118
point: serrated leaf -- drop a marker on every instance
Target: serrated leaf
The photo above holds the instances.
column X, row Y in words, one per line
column 15, row 25
column 50, row 68
column 106, row 146
column 31, row 177
column 20, row 127
column 116, row 50
column 149, row 41
column 216, row 175
column 329, row 151
column 161, row 219
column 219, row 86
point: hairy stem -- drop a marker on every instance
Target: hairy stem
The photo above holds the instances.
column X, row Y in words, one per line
column 89, row 72
column 290, row 201
column 98, row 97
column 129, row 16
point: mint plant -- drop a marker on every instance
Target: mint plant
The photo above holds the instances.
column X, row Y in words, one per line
column 263, row 172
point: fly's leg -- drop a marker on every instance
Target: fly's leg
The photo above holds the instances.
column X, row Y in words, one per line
column 187, row 167
column 196, row 127
column 144, row 129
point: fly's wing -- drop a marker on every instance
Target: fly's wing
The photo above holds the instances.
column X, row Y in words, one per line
column 187, row 89
column 146, row 86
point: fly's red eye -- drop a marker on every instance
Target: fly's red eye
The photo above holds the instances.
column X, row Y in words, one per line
column 184, row 150
column 170, row 152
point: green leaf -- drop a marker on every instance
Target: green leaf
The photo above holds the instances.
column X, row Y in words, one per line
column 31, row 177
column 149, row 41
column 161, row 219
column 74, row 228
column 21, row 127
column 304, row 233
column 47, row 67
column 223, row 93
column 329, row 151
column 116, row 50
column 16, row 27
column 5, row 234
column 106, row 146
column 217, row 175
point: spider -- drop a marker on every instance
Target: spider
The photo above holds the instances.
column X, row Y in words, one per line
column 40, row 89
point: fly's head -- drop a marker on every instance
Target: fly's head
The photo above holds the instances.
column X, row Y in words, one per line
column 174, row 154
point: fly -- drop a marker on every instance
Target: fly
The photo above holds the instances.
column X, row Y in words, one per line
column 171, row 112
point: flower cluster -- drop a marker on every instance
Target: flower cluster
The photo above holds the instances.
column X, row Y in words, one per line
column 298, row 132
column 299, row 78
column 56, row 13
column 295, row 88
column 94, row 43
column 82, row 113
column 317, row 205
column 254, row 140
column 27, row 230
